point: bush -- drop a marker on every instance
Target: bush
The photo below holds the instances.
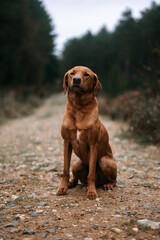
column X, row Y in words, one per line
column 140, row 110
column 13, row 104
column 146, row 120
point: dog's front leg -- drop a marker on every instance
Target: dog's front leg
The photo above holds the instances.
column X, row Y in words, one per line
column 92, row 194
column 67, row 158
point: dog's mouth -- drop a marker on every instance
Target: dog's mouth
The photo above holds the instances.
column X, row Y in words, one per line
column 76, row 88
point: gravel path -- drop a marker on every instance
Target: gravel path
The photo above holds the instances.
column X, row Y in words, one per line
column 31, row 161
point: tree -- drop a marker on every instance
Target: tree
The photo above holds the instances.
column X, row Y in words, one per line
column 125, row 59
column 26, row 44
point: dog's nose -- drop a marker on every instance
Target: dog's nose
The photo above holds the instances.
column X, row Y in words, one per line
column 76, row 80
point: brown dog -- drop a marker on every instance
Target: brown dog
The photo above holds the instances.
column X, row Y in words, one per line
column 96, row 165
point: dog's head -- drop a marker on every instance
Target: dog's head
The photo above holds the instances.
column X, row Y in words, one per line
column 80, row 80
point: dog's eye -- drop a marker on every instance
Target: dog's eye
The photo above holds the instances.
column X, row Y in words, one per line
column 86, row 75
column 72, row 73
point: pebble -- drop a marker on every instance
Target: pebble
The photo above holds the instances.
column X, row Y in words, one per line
column 95, row 227
column 129, row 213
column 135, row 229
column 148, row 207
column 21, row 199
column 53, row 230
column 12, row 224
column 42, row 204
column 28, row 231
column 43, row 235
column 33, row 214
column 14, row 197
column 120, row 184
column 157, row 177
column 27, row 207
column 21, row 216
column 88, row 238
column 12, row 205
column 148, row 223
column 123, row 169
column 118, row 212
column 116, row 230
column 154, row 212
column 4, row 212
column 32, row 195
column 131, row 176
column 15, row 230
column 54, row 210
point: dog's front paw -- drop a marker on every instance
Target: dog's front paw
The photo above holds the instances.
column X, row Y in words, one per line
column 92, row 195
column 62, row 191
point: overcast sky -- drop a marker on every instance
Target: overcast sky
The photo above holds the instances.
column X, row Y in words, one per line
column 72, row 18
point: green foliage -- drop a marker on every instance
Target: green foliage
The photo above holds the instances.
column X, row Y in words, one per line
column 126, row 59
column 26, row 44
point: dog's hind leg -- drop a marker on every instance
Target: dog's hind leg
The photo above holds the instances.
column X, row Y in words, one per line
column 106, row 173
column 80, row 172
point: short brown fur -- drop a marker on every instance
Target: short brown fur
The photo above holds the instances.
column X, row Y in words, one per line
column 96, row 166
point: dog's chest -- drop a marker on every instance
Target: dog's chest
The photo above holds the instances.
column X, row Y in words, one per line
column 81, row 121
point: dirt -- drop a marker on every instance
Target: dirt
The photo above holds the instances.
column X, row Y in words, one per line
column 31, row 163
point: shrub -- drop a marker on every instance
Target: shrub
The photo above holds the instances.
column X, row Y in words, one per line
column 140, row 110
column 146, row 120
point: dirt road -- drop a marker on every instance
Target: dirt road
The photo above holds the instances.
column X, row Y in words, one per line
column 31, row 160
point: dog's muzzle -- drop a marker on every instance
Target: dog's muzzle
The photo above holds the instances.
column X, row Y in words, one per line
column 76, row 83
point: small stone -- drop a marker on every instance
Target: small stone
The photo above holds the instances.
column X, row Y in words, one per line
column 43, row 235
column 106, row 203
column 15, row 230
column 21, row 199
column 97, row 199
column 116, row 230
column 95, row 227
column 21, row 216
column 129, row 213
column 54, row 179
column 120, row 184
column 33, row 214
column 28, row 231
column 13, row 224
column 148, row 207
column 148, row 223
column 27, row 207
column 54, row 210
column 88, row 238
column 154, row 212
column 135, row 229
column 17, row 218
column 32, row 195
column 4, row 212
column 131, row 176
column 42, row 204
column 157, row 177
column 123, row 169
column 39, row 211
column 118, row 212
column 12, row 205
column 14, row 197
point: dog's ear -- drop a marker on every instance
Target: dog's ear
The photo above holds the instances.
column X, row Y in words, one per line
column 65, row 83
column 97, row 85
